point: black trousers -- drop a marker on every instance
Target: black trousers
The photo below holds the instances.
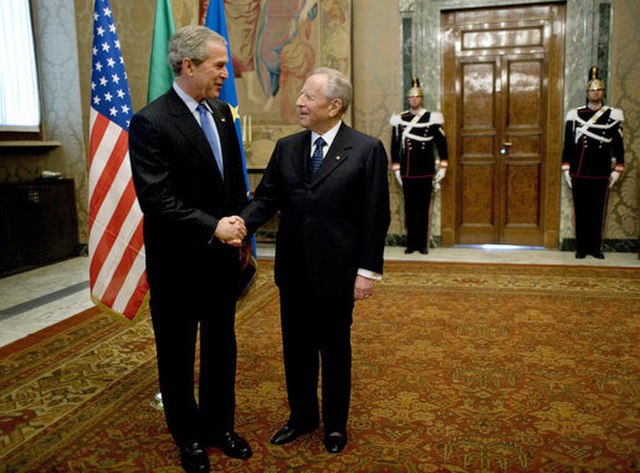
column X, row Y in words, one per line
column 316, row 330
column 417, row 209
column 175, row 325
column 590, row 206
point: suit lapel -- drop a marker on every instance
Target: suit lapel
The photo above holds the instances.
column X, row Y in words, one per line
column 189, row 127
column 186, row 123
column 301, row 157
column 336, row 155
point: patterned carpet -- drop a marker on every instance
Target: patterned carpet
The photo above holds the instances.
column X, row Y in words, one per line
column 457, row 368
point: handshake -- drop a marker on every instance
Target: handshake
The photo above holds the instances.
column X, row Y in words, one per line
column 231, row 230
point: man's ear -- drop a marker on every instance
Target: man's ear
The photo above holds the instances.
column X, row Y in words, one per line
column 187, row 66
column 334, row 107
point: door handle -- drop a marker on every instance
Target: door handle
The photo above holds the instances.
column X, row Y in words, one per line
column 505, row 148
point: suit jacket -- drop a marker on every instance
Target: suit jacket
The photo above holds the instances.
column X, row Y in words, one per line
column 331, row 224
column 183, row 196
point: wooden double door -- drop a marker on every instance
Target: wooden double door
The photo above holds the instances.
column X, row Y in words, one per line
column 502, row 102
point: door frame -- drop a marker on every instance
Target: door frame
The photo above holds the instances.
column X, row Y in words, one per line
column 549, row 193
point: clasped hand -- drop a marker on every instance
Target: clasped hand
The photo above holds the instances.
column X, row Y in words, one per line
column 231, row 230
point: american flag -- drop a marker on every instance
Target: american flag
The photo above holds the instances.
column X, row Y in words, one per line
column 117, row 269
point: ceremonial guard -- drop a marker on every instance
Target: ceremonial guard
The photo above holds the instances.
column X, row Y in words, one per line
column 592, row 162
column 415, row 134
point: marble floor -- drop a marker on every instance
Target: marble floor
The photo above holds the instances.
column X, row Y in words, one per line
column 33, row 300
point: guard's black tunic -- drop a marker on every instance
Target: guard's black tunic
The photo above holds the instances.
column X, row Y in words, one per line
column 592, row 149
column 412, row 147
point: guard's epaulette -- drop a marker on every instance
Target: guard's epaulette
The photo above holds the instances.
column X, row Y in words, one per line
column 617, row 114
column 571, row 115
column 395, row 120
column 436, row 117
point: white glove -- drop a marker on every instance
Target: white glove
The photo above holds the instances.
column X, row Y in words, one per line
column 398, row 178
column 613, row 178
column 567, row 178
column 440, row 175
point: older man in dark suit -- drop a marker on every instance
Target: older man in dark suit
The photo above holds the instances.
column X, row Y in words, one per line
column 187, row 171
column 330, row 185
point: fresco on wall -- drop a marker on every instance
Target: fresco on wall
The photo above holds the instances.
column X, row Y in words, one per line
column 274, row 48
column 275, row 44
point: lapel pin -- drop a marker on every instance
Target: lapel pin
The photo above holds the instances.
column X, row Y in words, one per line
column 338, row 158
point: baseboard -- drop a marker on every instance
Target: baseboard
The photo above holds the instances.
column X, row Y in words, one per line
column 567, row 244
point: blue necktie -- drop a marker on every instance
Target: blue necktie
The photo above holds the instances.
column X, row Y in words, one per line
column 316, row 157
column 212, row 136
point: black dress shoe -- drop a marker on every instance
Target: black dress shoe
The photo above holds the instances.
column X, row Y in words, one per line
column 580, row 255
column 334, row 442
column 232, row 445
column 597, row 254
column 408, row 251
column 288, row 434
column 424, row 251
column 194, row 459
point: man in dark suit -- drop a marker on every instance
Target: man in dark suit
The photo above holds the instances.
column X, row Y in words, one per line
column 185, row 190
column 330, row 185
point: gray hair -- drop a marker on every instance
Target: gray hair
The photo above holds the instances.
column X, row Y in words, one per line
column 338, row 86
column 191, row 42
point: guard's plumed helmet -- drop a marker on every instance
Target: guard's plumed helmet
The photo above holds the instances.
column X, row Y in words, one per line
column 594, row 82
column 415, row 90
